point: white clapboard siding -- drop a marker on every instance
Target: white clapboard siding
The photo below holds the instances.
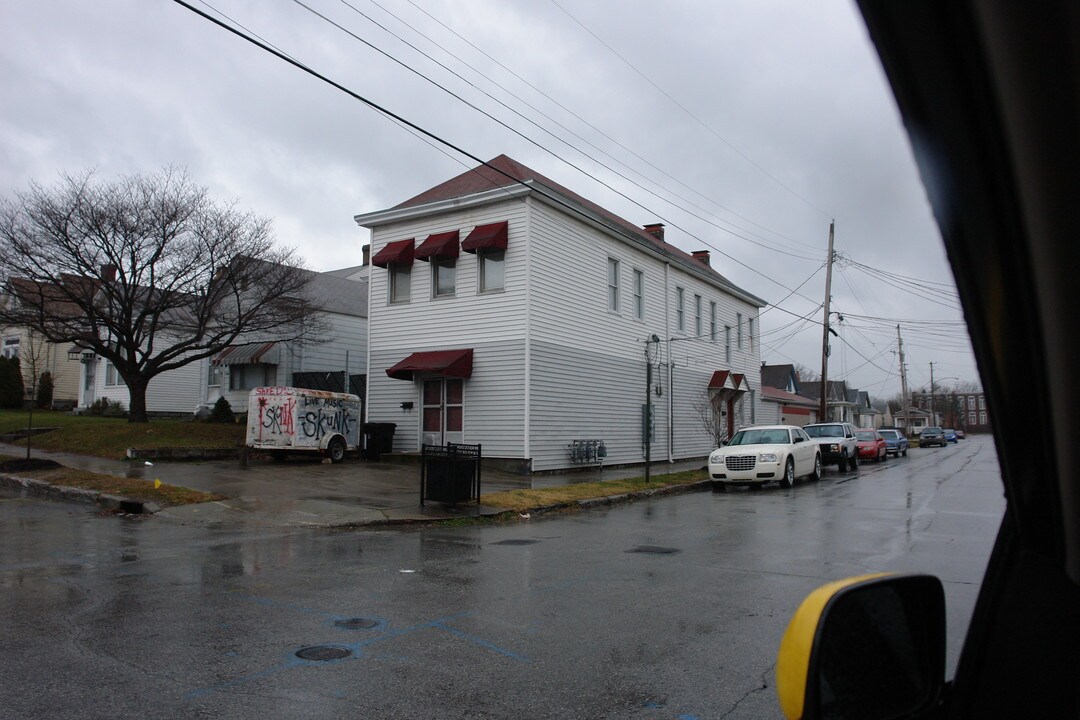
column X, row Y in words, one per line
column 344, row 333
column 174, row 391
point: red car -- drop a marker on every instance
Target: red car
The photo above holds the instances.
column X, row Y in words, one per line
column 871, row 445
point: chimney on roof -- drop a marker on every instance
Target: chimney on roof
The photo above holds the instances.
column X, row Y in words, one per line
column 367, row 255
column 656, row 230
column 108, row 272
column 702, row 256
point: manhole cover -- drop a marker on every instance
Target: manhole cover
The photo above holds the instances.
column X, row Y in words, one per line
column 356, row 624
column 323, row 652
column 654, row 549
column 516, row 542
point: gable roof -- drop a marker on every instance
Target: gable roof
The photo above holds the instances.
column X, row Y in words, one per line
column 779, row 376
column 779, row 395
column 505, row 172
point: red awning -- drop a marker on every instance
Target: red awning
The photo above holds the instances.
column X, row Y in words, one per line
column 486, row 237
column 719, row 379
column 448, row 363
column 399, row 252
column 444, row 245
column 251, row 353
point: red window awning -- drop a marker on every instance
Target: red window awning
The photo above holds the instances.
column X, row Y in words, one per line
column 443, row 245
column 399, row 252
column 486, row 237
column 719, row 380
column 448, row 363
column 251, row 353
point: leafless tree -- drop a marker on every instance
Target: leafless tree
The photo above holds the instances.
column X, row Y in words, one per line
column 148, row 272
column 806, row 375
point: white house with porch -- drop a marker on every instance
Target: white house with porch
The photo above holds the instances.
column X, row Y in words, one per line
column 508, row 311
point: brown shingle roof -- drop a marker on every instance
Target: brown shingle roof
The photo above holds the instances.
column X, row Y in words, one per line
column 495, row 175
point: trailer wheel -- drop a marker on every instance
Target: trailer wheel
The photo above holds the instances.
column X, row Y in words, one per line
column 335, row 450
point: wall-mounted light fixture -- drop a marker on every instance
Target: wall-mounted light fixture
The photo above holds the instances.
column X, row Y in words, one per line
column 406, row 406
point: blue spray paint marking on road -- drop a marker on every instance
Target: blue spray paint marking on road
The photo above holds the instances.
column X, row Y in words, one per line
column 484, row 643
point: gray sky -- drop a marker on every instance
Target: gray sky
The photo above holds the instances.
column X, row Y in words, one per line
column 741, row 124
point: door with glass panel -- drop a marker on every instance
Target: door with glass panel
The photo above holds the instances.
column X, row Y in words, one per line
column 443, row 411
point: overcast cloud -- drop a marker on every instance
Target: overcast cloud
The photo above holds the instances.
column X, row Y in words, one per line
column 127, row 86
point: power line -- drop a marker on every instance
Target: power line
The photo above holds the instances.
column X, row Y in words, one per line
column 698, row 120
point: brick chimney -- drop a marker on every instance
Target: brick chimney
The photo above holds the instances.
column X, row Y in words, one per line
column 366, row 250
column 656, row 230
column 108, row 273
column 701, row 256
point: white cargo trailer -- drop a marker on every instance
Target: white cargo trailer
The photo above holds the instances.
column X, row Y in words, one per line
column 285, row 420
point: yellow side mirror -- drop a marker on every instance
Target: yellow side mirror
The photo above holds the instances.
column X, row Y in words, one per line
column 871, row 647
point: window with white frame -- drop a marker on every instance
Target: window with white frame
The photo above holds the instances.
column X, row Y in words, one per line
column 214, row 374
column 252, row 375
column 982, row 403
column 112, row 376
column 639, row 294
column 443, row 276
column 400, row 279
column 712, row 321
column 697, row 316
column 982, row 418
column 727, row 344
column 971, row 418
column 613, row 284
column 680, row 309
column 11, row 346
column 738, row 329
column 750, row 332
column 492, row 269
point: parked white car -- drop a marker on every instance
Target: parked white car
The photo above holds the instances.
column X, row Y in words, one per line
column 758, row 455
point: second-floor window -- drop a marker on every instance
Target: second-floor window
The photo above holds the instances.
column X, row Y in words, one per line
column 639, row 294
column 750, row 332
column 697, row 315
column 613, row 284
column 738, row 329
column 492, row 269
column 400, row 279
column 444, row 276
column 727, row 344
column 680, row 309
column 712, row 321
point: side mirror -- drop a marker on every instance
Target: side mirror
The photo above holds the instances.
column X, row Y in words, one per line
column 798, row 439
column 870, row 647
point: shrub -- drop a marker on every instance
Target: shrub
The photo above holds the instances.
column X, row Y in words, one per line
column 107, row 408
column 12, row 390
column 45, row 390
column 222, row 412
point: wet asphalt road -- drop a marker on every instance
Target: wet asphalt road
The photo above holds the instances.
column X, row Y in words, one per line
column 554, row 617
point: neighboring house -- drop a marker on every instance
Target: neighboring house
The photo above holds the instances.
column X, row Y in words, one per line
column 507, row 310
column 840, row 405
column 783, row 377
column 864, row 413
column 913, row 420
column 255, row 362
column 780, row 407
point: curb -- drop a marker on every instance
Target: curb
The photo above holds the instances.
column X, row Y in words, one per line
column 183, row 453
column 613, row 499
column 41, row 488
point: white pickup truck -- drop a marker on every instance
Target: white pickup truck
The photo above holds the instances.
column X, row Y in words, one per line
column 285, row 420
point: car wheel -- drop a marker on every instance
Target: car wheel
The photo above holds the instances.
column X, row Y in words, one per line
column 884, row 456
column 853, row 463
column 335, row 450
column 817, row 468
column 905, row 452
column 789, row 474
column 843, row 464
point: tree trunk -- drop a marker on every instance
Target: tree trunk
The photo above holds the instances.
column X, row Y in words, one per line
column 137, row 402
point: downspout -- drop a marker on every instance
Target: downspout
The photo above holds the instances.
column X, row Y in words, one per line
column 526, row 445
column 667, row 334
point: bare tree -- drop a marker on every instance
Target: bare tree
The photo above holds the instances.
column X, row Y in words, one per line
column 708, row 407
column 806, row 375
column 148, row 272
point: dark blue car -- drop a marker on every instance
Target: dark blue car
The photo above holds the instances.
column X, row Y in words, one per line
column 896, row 442
column 950, row 435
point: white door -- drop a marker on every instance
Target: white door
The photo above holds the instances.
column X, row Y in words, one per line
column 443, row 412
column 89, row 369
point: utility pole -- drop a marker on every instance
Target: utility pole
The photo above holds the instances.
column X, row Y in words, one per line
column 903, row 381
column 933, row 413
column 823, row 407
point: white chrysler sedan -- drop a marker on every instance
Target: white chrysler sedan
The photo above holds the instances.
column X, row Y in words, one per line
column 757, row 455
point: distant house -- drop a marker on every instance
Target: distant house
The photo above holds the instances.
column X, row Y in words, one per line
column 913, row 420
column 781, row 403
column 257, row 361
column 507, row 310
column 961, row 410
column 840, row 404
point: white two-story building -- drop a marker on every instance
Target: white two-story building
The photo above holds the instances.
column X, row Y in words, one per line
column 508, row 311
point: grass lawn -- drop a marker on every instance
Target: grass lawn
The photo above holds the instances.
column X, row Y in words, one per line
column 111, row 437
column 522, row 500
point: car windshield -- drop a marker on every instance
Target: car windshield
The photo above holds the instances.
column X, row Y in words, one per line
column 889, row 434
column 824, row 431
column 866, row 435
column 760, row 437
column 932, row 430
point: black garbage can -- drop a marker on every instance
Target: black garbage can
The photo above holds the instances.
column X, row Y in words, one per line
column 450, row 474
column 379, row 439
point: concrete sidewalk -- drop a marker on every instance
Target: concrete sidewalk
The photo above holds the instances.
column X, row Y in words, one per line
column 306, row 492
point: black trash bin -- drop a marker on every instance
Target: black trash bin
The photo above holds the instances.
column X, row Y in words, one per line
column 450, row 474
column 379, row 439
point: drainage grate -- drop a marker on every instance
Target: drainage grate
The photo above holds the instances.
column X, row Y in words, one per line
column 516, row 542
column 323, row 652
column 356, row 624
column 653, row 549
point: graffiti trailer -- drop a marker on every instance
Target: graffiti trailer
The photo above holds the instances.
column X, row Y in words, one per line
column 286, row 419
